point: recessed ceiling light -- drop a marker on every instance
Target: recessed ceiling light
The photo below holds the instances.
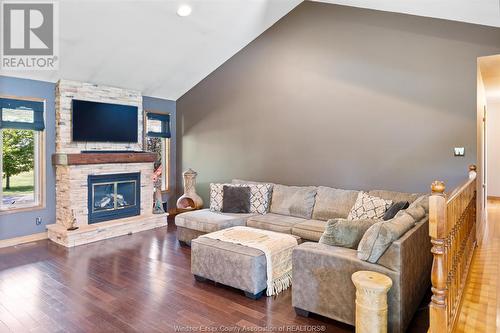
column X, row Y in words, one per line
column 184, row 10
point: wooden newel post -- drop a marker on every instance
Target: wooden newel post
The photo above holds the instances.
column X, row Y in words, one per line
column 472, row 171
column 438, row 231
column 371, row 301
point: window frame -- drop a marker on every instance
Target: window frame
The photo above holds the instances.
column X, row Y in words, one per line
column 39, row 165
column 165, row 148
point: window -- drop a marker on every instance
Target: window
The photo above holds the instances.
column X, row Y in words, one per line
column 21, row 141
column 157, row 140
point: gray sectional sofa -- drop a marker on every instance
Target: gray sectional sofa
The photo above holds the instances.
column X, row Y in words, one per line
column 322, row 273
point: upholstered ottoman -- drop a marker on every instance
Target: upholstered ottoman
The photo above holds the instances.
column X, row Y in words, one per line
column 190, row 225
column 231, row 264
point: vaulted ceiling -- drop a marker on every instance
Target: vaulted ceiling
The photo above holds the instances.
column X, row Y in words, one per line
column 485, row 12
column 145, row 45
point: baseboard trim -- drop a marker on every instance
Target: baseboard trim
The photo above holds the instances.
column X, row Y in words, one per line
column 493, row 198
column 23, row 239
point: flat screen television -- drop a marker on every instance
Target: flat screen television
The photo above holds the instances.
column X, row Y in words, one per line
column 103, row 122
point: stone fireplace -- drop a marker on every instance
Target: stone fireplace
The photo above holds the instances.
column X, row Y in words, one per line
column 106, row 187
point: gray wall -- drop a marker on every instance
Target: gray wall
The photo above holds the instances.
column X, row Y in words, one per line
column 23, row 224
column 343, row 97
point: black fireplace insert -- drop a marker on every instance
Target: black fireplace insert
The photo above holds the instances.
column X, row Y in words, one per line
column 114, row 196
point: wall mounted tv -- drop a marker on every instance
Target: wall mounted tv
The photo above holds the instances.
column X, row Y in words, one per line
column 103, row 122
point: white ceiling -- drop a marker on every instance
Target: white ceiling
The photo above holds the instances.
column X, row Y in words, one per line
column 485, row 12
column 145, row 45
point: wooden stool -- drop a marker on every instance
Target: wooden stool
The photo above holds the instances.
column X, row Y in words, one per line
column 371, row 301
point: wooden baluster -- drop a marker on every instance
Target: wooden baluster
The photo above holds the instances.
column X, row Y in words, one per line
column 438, row 232
column 473, row 174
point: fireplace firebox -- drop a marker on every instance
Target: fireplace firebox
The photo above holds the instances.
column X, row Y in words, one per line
column 113, row 196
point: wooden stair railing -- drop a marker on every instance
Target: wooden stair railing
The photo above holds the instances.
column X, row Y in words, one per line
column 452, row 228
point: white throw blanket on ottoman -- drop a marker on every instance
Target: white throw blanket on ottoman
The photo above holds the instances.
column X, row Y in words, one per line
column 277, row 248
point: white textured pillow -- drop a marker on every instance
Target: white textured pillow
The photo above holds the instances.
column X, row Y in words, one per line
column 259, row 196
column 368, row 207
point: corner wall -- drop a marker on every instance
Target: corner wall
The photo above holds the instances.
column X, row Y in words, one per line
column 343, row 97
column 23, row 223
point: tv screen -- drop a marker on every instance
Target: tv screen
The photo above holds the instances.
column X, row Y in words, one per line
column 103, row 122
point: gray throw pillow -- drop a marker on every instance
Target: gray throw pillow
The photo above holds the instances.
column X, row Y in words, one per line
column 381, row 235
column 417, row 212
column 236, row 199
column 345, row 233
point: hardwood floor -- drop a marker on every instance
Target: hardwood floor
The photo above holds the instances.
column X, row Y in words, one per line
column 137, row 283
column 480, row 310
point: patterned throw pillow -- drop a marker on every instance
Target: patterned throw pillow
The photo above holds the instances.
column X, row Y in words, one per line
column 216, row 196
column 260, row 195
column 368, row 207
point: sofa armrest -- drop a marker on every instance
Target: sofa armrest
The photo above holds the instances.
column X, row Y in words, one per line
column 411, row 256
column 322, row 282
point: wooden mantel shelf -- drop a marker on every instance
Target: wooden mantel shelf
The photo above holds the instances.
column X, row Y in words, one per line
column 102, row 158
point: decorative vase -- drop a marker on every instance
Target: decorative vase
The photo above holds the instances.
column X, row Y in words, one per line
column 190, row 199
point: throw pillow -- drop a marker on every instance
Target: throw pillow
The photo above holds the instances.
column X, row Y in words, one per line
column 216, row 196
column 417, row 212
column 345, row 233
column 260, row 197
column 394, row 209
column 236, row 199
column 368, row 207
column 381, row 235
column 422, row 201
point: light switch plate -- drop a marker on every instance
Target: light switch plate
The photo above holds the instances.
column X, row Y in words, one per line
column 459, row 151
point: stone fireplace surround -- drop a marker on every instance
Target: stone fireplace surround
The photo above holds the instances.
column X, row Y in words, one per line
column 73, row 168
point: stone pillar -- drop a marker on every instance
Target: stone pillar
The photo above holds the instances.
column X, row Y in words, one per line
column 371, row 301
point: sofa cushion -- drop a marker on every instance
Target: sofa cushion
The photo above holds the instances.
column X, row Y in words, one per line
column 368, row 207
column 205, row 220
column 394, row 196
column 274, row 222
column 260, row 195
column 332, row 203
column 345, row 233
column 295, row 201
column 380, row 236
column 309, row 229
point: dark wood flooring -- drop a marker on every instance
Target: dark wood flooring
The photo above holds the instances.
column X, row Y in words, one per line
column 137, row 283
